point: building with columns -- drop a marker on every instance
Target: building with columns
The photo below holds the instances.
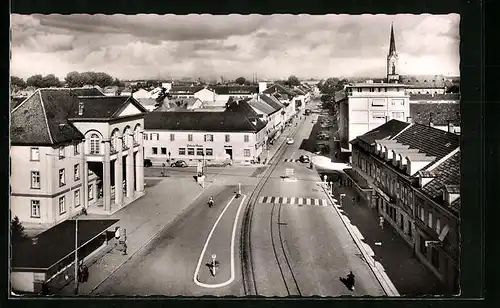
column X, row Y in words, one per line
column 72, row 149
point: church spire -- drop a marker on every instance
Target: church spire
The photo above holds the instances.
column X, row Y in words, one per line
column 392, row 46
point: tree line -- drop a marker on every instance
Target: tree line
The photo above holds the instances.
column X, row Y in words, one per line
column 72, row 80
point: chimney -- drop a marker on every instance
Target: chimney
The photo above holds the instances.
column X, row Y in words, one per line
column 431, row 124
column 408, row 119
column 34, row 240
column 80, row 108
column 450, row 127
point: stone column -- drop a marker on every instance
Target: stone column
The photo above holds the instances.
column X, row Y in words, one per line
column 85, row 176
column 139, row 163
column 130, row 166
column 106, row 181
column 119, row 172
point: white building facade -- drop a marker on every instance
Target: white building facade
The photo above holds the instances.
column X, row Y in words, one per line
column 369, row 105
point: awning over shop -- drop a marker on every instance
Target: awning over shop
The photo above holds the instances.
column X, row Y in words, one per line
column 55, row 244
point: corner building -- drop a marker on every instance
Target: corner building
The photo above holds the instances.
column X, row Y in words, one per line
column 73, row 149
column 410, row 174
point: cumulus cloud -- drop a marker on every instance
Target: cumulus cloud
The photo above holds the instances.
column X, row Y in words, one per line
column 275, row 46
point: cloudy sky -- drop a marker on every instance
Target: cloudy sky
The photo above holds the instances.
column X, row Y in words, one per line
column 272, row 46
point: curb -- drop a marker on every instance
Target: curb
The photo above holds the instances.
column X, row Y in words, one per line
column 149, row 240
column 376, row 267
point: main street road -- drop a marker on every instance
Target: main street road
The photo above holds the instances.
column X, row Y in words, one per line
column 168, row 264
column 298, row 243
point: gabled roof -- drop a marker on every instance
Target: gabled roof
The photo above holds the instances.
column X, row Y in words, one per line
column 435, row 97
column 441, row 113
column 446, row 173
column 279, row 89
column 262, row 106
column 298, row 91
column 241, row 106
column 235, row 90
column 384, row 131
column 429, row 140
column 271, row 101
column 42, row 119
column 202, row 121
column 105, row 107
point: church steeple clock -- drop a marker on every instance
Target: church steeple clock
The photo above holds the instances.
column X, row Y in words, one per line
column 392, row 60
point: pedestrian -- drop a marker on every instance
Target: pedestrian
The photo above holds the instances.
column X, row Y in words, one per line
column 79, row 273
column 85, row 273
column 117, row 235
column 381, row 222
column 350, row 281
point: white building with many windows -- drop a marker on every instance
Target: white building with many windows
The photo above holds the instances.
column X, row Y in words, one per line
column 369, row 105
column 213, row 137
column 68, row 149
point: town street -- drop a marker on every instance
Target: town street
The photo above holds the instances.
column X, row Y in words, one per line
column 299, row 245
column 296, row 249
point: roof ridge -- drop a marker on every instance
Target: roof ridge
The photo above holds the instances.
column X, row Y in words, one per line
column 407, row 126
column 443, row 159
column 23, row 101
column 45, row 116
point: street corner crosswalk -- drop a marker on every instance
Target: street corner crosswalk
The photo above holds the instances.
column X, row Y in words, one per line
column 292, row 160
column 294, row 201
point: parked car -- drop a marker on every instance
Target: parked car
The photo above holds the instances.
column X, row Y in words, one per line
column 304, row 159
column 289, row 141
column 148, row 163
column 179, row 163
column 323, row 136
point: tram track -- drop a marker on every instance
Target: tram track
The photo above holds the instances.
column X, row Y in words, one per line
column 248, row 273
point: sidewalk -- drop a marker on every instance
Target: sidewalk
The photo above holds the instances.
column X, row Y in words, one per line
column 142, row 219
column 409, row 275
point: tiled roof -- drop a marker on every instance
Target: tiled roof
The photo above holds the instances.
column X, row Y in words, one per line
column 147, row 101
column 262, row 106
column 201, row 121
column 235, row 90
column 104, row 107
column 436, row 97
column 384, row 131
column 423, row 81
column 447, row 173
column 279, row 89
column 189, row 90
column 241, row 106
column 271, row 101
column 43, row 118
column 429, row 140
column 298, row 91
column 441, row 113
column 15, row 101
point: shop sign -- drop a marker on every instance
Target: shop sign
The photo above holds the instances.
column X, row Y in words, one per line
column 194, row 146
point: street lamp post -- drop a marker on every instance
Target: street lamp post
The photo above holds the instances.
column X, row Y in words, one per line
column 84, row 211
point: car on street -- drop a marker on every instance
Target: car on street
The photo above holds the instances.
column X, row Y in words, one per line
column 304, row 159
column 179, row 163
column 323, row 136
column 148, row 163
column 289, row 141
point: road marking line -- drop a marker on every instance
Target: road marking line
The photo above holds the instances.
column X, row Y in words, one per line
column 231, row 279
column 292, row 200
column 261, row 199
